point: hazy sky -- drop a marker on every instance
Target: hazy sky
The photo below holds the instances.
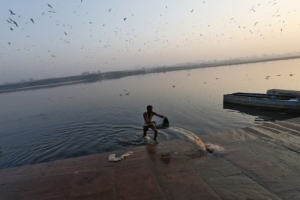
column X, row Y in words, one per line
column 89, row 35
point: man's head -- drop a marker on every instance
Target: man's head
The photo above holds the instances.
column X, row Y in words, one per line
column 149, row 108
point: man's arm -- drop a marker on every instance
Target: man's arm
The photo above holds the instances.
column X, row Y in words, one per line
column 158, row 115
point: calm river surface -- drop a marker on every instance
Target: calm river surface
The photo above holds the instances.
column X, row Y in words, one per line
column 69, row 121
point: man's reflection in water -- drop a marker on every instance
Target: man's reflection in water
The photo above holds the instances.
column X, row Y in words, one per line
column 151, row 151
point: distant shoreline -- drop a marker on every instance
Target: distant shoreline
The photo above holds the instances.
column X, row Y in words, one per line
column 89, row 78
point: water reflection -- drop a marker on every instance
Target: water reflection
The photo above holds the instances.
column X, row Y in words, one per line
column 151, row 151
column 261, row 115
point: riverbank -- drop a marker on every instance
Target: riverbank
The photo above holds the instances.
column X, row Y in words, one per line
column 95, row 77
column 258, row 162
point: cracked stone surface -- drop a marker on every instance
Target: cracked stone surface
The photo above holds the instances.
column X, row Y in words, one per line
column 259, row 162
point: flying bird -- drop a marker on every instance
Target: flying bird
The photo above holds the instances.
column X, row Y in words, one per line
column 11, row 12
column 31, row 20
column 49, row 5
column 109, row 10
column 192, row 10
column 15, row 23
column 66, row 33
column 11, row 28
column 124, row 18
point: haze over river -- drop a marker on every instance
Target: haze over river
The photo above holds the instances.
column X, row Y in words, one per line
column 74, row 120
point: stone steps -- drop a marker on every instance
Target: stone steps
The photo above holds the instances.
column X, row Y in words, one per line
column 259, row 162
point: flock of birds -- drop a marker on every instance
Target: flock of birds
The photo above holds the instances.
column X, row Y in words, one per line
column 11, row 21
column 159, row 43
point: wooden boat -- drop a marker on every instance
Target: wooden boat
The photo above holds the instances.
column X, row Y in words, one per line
column 285, row 102
column 283, row 92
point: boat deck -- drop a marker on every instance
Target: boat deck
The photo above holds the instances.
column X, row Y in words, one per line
column 259, row 162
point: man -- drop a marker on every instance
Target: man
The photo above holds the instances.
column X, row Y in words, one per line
column 148, row 123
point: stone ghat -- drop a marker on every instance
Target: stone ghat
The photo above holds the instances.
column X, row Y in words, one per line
column 259, row 162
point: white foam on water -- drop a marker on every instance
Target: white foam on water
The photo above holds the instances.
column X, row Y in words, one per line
column 214, row 149
column 144, row 140
column 147, row 140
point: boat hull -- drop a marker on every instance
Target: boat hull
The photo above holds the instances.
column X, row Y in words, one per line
column 291, row 105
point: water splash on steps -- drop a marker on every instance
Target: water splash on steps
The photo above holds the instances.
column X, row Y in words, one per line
column 210, row 149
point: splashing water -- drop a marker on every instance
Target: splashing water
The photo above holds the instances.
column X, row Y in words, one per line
column 214, row 149
column 194, row 138
column 144, row 140
column 210, row 149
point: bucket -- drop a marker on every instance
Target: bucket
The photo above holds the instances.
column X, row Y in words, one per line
column 162, row 124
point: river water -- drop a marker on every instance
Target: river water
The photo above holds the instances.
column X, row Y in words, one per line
column 68, row 121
